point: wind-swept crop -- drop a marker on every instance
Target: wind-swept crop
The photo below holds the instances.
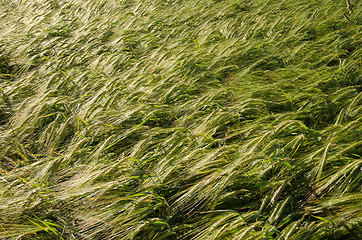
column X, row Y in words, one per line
column 138, row 119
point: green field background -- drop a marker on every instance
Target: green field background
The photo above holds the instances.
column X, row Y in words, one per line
column 184, row 119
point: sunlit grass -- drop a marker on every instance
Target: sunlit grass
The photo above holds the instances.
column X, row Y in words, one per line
column 139, row 119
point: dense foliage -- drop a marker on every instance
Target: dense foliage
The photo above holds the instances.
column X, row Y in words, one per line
column 184, row 119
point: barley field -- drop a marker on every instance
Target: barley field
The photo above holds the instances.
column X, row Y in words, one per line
column 183, row 119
